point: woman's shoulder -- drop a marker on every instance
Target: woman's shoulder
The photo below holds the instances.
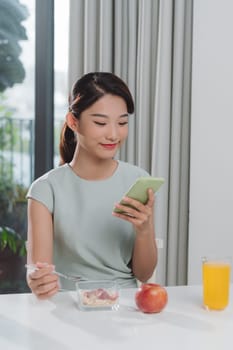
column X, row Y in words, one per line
column 132, row 169
column 52, row 175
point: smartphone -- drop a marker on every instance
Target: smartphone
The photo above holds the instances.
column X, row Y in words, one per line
column 139, row 189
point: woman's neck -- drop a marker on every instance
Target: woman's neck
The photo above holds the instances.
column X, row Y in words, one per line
column 93, row 169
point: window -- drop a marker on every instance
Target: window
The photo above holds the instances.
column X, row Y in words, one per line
column 17, row 96
column 33, row 104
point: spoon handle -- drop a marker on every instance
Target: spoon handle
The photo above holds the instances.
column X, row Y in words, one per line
column 68, row 277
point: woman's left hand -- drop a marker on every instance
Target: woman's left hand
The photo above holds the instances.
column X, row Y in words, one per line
column 140, row 215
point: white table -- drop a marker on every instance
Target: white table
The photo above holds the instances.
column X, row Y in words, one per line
column 27, row 323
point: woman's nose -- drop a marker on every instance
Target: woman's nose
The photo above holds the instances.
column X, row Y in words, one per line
column 112, row 133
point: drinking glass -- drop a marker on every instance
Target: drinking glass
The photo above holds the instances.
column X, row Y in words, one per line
column 216, row 282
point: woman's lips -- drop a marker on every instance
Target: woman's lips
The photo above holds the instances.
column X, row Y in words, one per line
column 109, row 146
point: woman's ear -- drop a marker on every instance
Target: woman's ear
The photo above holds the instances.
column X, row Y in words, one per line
column 72, row 122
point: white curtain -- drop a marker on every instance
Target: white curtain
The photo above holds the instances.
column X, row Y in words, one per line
column 147, row 43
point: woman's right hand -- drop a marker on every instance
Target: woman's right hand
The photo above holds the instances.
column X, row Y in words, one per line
column 42, row 281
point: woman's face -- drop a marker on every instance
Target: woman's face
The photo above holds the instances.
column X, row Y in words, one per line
column 103, row 127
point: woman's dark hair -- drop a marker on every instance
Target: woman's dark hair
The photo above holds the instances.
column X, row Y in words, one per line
column 86, row 91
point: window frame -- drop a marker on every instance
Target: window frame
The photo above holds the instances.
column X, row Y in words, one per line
column 44, row 87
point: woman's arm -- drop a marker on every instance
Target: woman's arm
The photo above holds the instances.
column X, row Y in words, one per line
column 144, row 257
column 40, row 250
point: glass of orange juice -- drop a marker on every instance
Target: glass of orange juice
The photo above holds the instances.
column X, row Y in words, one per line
column 216, row 282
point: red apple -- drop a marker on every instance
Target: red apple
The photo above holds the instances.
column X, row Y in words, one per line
column 151, row 298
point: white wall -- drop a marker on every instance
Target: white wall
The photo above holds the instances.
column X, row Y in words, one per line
column 211, row 190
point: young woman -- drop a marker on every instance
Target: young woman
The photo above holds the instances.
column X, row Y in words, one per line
column 71, row 223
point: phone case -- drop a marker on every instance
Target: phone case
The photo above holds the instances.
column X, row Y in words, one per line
column 139, row 189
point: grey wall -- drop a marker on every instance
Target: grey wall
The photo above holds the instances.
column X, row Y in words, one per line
column 211, row 186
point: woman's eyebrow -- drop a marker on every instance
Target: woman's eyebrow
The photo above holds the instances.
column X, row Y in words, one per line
column 106, row 116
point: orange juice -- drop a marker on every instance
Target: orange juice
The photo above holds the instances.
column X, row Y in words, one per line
column 216, row 284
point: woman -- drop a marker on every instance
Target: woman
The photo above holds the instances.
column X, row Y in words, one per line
column 71, row 222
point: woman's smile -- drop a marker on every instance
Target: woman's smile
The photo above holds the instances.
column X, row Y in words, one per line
column 109, row 146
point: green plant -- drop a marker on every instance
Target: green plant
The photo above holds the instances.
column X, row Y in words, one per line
column 12, row 14
column 11, row 240
column 12, row 261
column 21, row 192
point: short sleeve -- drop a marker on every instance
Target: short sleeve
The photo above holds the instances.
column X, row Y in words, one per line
column 41, row 190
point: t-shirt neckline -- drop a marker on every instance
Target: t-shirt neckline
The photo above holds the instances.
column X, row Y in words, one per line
column 67, row 165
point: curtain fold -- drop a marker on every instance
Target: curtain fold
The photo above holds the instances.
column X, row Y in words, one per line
column 147, row 43
column 177, row 233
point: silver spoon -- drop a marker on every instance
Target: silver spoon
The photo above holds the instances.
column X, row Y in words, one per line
column 66, row 276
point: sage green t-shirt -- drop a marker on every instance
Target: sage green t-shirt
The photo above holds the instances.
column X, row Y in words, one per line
column 88, row 240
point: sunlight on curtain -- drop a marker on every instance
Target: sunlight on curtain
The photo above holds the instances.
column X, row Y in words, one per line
column 148, row 44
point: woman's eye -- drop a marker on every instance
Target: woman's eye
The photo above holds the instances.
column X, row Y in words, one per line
column 123, row 123
column 99, row 123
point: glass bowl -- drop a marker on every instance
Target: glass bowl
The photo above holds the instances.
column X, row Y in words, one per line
column 97, row 295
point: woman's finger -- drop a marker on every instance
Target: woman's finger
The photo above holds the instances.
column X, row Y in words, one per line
column 43, row 271
column 151, row 198
column 48, row 294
